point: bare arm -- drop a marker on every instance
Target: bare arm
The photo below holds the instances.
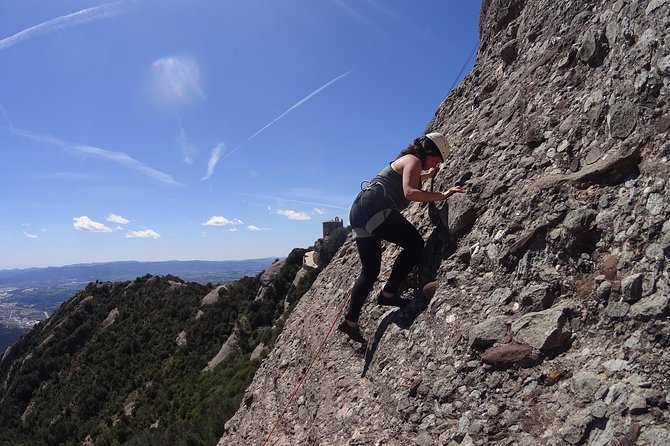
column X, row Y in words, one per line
column 411, row 176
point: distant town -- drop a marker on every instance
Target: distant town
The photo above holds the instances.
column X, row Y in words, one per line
column 23, row 307
column 15, row 313
column 29, row 296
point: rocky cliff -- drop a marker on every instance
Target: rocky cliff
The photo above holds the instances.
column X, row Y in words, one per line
column 545, row 320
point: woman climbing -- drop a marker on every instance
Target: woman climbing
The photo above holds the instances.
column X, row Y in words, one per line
column 375, row 215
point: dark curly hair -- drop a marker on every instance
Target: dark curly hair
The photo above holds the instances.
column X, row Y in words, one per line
column 422, row 148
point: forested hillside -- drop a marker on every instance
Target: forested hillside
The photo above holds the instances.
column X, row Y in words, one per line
column 153, row 361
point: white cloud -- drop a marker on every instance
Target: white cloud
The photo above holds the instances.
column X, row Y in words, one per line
column 176, row 80
column 293, row 215
column 256, row 228
column 84, row 223
column 147, row 233
column 232, row 229
column 319, row 211
column 187, row 149
column 65, row 176
column 218, row 220
column 358, row 16
column 32, row 236
column 213, row 160
column 113, row 218
column 66, row 21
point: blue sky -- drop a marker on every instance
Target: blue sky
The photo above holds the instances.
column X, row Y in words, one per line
column 211, row 130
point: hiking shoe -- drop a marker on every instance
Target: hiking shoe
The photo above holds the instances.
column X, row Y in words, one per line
column 395, row 301
column 353, row 332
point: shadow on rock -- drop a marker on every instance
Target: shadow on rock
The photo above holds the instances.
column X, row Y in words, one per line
column 440, row 245
column 402, row 317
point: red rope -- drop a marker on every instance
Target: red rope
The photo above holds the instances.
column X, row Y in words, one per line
column 309, row 366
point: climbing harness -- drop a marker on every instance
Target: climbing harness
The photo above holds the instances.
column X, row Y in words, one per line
column 371, row 185
column 374, row 192
column 315, row 356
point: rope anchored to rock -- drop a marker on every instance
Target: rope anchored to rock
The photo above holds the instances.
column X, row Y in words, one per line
column 305, row 374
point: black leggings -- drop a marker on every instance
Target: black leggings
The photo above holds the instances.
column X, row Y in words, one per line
column 395, row 229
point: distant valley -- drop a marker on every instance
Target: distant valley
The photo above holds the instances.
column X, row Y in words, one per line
column 28, row 296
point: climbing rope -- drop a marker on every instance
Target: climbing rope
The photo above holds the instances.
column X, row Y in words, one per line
column 315, row 356
column 464, row 65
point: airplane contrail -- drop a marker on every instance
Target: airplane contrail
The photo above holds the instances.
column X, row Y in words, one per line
column 117, row 157
column 75, row 18
column 310, row 203
column 9, row 123
column 293, row 107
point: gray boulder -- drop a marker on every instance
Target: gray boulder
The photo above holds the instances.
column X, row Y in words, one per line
column 544, row 330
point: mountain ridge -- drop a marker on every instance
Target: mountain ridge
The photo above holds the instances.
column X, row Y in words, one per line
column 119, row 270
column 27, row 296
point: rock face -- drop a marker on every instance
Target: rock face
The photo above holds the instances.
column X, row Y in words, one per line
column 548, row 320
column 267, row 277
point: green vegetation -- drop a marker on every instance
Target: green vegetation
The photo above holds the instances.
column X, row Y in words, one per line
column 107, row 365
column 327, row 247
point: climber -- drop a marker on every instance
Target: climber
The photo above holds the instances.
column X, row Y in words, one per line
column 375, row 215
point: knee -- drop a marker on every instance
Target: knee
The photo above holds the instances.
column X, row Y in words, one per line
column 370, row 273
column 415, row 247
